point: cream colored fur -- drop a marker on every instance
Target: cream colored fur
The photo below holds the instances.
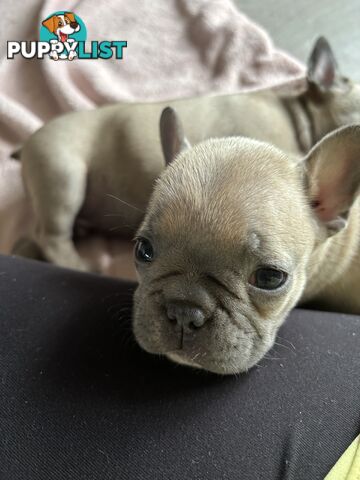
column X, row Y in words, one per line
column 227, row 208
column 241, row 195
column 75, row 164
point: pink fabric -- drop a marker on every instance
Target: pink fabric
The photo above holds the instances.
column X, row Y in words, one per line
column 176, row 48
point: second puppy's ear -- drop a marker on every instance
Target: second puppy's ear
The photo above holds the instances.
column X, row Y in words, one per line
column 322, row 66
column 173, row 140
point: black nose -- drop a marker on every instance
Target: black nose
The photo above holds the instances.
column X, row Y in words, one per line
column 74, row 25
column 186, row 315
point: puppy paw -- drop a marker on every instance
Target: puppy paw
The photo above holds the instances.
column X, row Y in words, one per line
column 54, row 55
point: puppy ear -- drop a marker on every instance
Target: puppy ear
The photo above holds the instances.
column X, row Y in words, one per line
column 322, row 65
column 333, row 176
column 173, row 140
column 70, row 16
column 50, row 24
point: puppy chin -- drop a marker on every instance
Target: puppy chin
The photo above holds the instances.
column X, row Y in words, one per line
column 177, row 358
column 220, row 366
column 226, row 368
column 228, row 365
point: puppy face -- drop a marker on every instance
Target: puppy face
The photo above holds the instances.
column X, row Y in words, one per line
column 229, row 239
column 230, row 234
column 62, row 25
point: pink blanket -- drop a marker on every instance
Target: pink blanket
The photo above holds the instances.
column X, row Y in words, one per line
column 176, row 48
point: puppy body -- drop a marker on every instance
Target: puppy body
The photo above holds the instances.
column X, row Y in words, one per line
column 75, row 165
column 116, row 149
column 333, row 273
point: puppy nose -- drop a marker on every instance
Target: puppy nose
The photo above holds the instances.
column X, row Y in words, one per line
column 74, row 24
column 186, row 315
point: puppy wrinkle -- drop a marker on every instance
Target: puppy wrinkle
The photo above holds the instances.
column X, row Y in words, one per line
column 235, row 323
column 218, row 282
column 158, row 291
column 165, row 276
column 254, row 326
column 227, row 311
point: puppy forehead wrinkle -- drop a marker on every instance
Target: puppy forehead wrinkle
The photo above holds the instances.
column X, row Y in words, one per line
column 219, row 184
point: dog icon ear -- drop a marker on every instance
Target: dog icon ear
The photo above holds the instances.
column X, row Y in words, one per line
column 70, row 16
column 50, row 23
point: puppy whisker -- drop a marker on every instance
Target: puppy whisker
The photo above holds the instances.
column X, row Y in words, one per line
column 195, row 356
column 288, row 341
column 125, row 203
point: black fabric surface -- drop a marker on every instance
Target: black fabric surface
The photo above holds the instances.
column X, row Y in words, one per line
column 80, row 400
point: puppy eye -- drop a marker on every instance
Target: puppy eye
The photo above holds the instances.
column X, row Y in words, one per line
column 143, row 250
column 268, row 278
column 60, row 24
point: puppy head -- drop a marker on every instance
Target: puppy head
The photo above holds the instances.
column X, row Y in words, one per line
column 222, row 253
column 333, row 99
column 219, row 255
column 65, row 24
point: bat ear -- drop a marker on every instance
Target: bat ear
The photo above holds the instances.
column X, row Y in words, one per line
column 173, row 140
column 49, row 23
column 322, row 68
column 333, row 176
column 70, row 16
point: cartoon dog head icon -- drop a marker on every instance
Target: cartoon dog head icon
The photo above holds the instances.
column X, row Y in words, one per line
column 62, row 25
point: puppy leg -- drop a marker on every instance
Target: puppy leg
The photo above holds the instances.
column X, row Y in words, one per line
column 57, row 195
column 26, row 247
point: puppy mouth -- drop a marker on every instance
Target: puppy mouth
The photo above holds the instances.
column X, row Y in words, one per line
column 199, row 356
column 63, row 36
column 189, row 353
column 197, row 349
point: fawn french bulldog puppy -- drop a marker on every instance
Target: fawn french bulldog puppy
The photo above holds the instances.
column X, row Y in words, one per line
column 75, row 164
column 237, row 232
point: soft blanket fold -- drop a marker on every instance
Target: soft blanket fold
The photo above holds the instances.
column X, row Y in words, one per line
column 176, row 48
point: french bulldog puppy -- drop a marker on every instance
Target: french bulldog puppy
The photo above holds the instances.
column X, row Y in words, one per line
column 238, row 232
column 75, row 165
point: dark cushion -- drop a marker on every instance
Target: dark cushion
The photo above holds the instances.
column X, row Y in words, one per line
column 80, row 400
